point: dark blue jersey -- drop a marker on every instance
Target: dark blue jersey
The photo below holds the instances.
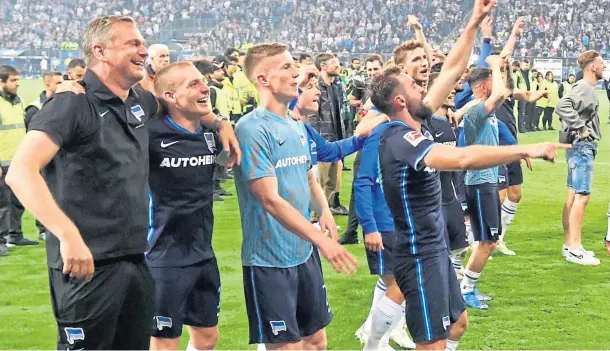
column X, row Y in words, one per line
column 181, row 192
column 412, row 190
column 443, row 133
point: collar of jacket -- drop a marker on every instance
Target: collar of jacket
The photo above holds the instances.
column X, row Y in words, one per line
column 13, row 99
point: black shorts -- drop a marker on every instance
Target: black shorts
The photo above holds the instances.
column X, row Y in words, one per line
column 514, row 174
column 432, row 293
column 111, row 312
column 503, row 179
column 454, row 223
column 286, row 304
column 484, row 207
column 185, row 296
column 382, row 262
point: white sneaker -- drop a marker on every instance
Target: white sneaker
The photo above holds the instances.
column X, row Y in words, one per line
column 400, row 336
column 503, row 249
column 361, row 335
column 565, row 249
column 578, row 256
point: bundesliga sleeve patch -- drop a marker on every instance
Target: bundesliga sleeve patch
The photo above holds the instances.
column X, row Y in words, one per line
column 414, row 137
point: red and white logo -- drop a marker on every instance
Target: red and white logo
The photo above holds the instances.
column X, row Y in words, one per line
column 414, row 137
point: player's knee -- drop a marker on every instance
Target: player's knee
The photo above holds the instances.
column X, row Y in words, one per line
column 317, row 341
column 461, row 324
column 203, row 338
column 164, row 343
column 393, row 293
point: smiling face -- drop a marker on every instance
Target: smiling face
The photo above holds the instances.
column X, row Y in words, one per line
column 309, row 98
column 183, row 87
column 125, row 53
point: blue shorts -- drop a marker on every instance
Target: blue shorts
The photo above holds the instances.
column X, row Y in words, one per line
column 185, row 296
column 580, row 166
column 432, row 293
column 484, row 208
column 286, row 304
column 382, row 262
column 456, row 237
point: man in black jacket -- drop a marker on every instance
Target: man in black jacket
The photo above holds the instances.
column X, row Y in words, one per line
column 329, row 124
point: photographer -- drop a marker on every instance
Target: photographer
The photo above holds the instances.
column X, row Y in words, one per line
column 578, row 112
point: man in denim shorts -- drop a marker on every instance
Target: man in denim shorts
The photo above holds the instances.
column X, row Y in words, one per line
column 578, row 111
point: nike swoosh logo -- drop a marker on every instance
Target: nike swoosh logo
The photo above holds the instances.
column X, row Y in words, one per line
column 439, row 134
column 103, row 113
column 282, row 142
column 576, row 256
column 164, row 145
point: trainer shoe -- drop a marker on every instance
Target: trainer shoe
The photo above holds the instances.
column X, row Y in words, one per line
column 565, row 249
column 385, row 347
column 21, row 242
column 349, row 238
column 3, row 250
column 400, row 336
column 223, row 192
column 481, row 296
column 504, row 250
column 42, row 236
column 578, row 256
column 471, row 300
column 361, row 335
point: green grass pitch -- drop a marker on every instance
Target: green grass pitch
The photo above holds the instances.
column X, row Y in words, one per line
column 540, row 301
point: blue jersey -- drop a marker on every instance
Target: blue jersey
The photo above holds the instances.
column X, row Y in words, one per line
column 181, row 192
column 443, row 133
column 272, row 146
column 481, row 128
column 412, row 190
column 325, row 151
column 371, row 208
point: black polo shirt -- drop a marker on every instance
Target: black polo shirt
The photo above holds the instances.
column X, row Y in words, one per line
column 101, row 178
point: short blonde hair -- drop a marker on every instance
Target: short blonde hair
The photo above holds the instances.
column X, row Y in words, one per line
column 258, row 53
column 162, row 80
column 587, row 58
column 402, row 51
column 98, row 31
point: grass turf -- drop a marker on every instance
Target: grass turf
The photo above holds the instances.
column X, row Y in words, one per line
column 540, row 301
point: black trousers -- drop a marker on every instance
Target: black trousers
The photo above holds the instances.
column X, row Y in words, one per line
column 536, row 120
column 11, row 211
column 526, row 115
column 547, row 119
column 114, row 311
column 352, row 221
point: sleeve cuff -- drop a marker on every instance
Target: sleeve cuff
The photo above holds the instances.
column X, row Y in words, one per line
column 420, row 158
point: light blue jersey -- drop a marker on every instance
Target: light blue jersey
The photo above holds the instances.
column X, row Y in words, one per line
column 481, row 128
column 272, row 147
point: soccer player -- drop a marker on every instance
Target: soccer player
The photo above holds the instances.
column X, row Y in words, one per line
column 180, row 257
column 409, row 161
column 578, row 111
column 442, row 132
column 481, row 128
column 286, row 296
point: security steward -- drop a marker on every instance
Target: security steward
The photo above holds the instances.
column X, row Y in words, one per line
column 12, row 130
column 51, row 81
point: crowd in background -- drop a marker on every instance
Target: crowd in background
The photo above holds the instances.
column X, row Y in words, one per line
column 555, row 29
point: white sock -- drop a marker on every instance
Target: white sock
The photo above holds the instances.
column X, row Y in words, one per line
column 386, row 316
column 190, row 347
column 469, row 280
column 378, row 293
column 402, row 324
column 451, row 345
column 608, row 234
column 469, row 232
column 261, row 347
column 509, row 209
column 457, row 257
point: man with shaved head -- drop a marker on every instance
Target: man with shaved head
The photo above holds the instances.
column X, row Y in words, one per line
column 183, row 154
column 286, row 296
column 158, row 57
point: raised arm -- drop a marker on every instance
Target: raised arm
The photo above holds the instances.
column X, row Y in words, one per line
column 498, row 88
column 458, row 57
